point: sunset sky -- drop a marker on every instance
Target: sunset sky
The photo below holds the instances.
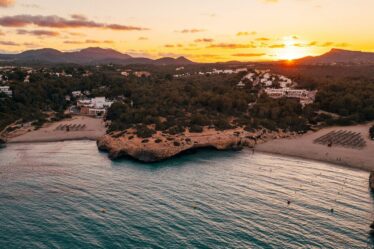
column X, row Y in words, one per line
column 202, row 30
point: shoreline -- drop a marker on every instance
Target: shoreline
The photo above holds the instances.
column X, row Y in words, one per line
column 303, row 147
column 336, row 164
column 53, row 140
column 298, row 146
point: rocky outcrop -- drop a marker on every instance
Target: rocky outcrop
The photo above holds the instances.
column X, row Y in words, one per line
column 2, row 142
column 163, row 147
column 371, row 181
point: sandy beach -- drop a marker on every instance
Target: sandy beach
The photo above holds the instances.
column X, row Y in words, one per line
column 301, row 146
column 93, row 129
column 304, row 147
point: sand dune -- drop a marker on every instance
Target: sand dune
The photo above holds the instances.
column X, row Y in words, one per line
column 305, row 148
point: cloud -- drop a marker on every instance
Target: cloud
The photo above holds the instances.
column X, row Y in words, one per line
column 186, row 31
column 79, row 17
column 8, row 43
column 142, row 38
column 249, row 54
column 31, row 6
column 97, row 41
column 89, row 42
column 60, row 22
column 263, row 39
column 270, row 1
column 333, row 44
column 173, row 46
column 204, row 40
column 327, row 44
column 231, row 45
column 14, row 44
column 37, row 32
column 303, row 45
column 244, row 33
column 313, row 43
column 6, row 3
column 2, row 33
column 277, row 46
column 29, row 44
column 76, row 34
column 343, row 44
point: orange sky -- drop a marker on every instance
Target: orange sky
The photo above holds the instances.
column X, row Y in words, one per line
column 202, row 30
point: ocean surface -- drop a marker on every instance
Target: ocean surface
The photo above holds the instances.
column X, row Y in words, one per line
column 69, row 195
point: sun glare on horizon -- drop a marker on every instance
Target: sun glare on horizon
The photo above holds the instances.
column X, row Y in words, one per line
column 198, row 31
column 291, row 49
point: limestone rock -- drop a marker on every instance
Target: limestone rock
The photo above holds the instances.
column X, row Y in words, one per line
column 371, row 181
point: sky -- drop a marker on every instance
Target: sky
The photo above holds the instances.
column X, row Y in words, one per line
column 202, row 30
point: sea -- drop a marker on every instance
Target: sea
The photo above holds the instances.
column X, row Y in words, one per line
column 70, row 195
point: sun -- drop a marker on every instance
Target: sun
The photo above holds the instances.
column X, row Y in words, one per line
column 290, row 51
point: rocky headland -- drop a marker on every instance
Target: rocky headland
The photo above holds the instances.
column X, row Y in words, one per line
column 163, row 146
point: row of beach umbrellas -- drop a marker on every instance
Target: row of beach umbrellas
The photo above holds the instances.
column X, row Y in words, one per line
column 71, row 127
column 343, row 138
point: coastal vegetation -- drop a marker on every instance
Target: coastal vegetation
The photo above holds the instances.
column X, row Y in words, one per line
column 173, row 105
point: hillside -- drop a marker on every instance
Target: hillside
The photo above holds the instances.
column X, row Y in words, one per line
column 86, row 56
column 339, row 56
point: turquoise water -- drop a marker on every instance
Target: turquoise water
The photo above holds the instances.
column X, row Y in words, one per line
column 69, row 195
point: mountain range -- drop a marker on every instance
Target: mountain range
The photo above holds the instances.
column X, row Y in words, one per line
column 86, row 56
column 96, row 55
column 339, row 56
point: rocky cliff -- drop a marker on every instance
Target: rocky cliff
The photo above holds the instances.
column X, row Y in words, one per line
column 371, row 181
column 161, row 146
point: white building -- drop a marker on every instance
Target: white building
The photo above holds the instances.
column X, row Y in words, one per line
column 6, row 90
column 240, row 84
column 94, row 107
column 101, row 102
column 77, row 94
column 304, row 96
column 140, row 74
column 228, row 71
column 240, row 70
column 27, row 79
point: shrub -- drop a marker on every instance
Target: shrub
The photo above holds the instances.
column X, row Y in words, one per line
column 196, row 128
column 222, row 124
column 143, row 131
column 175, row 130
